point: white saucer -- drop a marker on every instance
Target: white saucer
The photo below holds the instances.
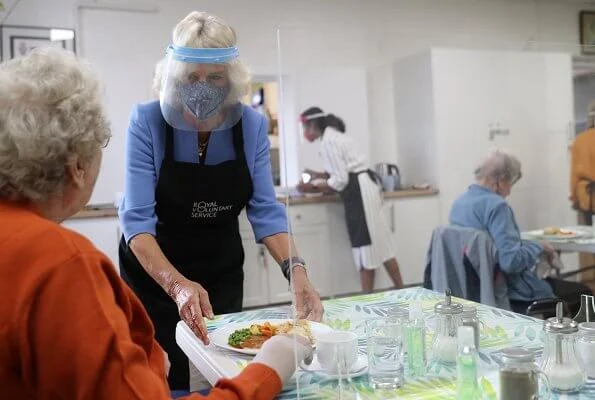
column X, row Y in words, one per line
column 358, row 369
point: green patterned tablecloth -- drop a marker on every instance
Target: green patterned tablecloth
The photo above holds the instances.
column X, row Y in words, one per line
column 502, row 329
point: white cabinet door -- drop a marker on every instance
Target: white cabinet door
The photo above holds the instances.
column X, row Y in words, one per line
column 255, row 272
column 414, row 220
column 467, row 100
column 278, row 287
column 312, row 244
column 104, row 233
column 344, row 274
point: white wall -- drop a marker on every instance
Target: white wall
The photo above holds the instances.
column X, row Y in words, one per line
column 341, row 34
column 381, row 113
column 415, row 119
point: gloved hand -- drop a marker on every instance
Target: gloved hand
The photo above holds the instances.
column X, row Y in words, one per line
column 283, row 352
column 193, row 305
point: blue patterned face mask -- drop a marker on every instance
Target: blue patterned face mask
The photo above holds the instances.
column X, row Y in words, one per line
column 202, row 99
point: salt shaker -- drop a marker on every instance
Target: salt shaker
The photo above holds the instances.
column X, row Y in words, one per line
column 560, row 362
column 400, row 316
column 586, row 347
column 448, row 320
column 469, row 318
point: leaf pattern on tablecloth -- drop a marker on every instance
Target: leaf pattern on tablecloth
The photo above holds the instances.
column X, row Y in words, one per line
column 501, row 329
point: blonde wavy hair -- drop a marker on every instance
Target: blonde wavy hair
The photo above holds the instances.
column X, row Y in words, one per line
column 50, row 113
column 202, row 30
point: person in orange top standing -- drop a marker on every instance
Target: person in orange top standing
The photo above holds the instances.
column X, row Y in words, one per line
column 582, row 181
column 69, row 326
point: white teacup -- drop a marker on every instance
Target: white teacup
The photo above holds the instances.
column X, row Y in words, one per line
column 336, row 351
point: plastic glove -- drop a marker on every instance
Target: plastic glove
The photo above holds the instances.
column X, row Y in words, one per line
column 283, row 352
column 193, row 305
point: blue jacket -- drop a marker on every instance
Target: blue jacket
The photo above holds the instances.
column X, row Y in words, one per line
column 480, row 208
column 145, row 149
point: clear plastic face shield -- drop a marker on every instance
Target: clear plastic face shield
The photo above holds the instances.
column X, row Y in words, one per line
column 308, row 130
column 197, row 91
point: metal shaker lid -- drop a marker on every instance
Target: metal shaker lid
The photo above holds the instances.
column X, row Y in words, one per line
column 447, row 306
column 517, row 354
column 559, row 323
column 587, row 327
column 469, row 311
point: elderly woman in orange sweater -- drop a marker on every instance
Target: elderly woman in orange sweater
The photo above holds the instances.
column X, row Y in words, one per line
column 71, row 328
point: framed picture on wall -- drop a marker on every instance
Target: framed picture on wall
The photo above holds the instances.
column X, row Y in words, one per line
column 17, row 41
column 587, row 31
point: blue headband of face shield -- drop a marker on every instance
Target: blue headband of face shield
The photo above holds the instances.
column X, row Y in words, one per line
column 203, row 56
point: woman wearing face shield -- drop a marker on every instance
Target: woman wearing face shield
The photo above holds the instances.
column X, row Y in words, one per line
column 348, row 174
column 195, row 160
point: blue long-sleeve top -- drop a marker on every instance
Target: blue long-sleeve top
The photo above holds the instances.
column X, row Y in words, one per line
column 145, row 150
column 482, row 209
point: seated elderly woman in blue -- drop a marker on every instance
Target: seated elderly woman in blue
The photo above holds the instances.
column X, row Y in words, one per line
column 194, row 161
column 483, row 206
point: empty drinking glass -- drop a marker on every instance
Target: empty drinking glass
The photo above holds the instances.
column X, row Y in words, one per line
column 385, row 354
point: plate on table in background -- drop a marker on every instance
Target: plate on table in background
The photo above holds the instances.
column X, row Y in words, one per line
column 220, row 336
column 558, row 234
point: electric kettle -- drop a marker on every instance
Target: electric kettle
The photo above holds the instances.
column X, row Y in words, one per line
column 390, row 176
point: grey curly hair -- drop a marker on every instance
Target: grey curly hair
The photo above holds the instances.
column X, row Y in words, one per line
column 50, row 113
column 499, row 166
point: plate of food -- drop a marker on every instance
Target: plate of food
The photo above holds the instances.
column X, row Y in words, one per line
column 553, row 232
column 248, row 337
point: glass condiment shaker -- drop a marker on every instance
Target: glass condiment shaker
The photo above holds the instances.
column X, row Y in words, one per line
column 560, row 362
column 587, row 311
column 469, row 318
column 448, row 320
column 586, row 347
column 400, row 316
column 519, row 376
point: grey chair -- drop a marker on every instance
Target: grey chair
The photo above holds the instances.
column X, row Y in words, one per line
column 465, row 261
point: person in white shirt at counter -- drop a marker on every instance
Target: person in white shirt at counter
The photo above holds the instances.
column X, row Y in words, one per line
column 348, row 174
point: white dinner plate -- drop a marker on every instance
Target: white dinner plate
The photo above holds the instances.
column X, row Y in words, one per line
column 358, row 369
column 220, row 336
column 573, row 235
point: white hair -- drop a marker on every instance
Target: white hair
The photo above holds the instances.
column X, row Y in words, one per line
column 50, row 113
column 202, row 30
column 499, row 167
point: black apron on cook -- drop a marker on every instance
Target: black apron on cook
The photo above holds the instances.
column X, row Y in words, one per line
column 355, row 217
column 197, row 209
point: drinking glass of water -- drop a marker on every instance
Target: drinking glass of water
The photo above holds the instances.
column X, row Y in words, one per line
column 385, row 354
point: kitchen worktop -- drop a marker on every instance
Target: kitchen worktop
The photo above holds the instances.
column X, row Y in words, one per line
column 332, row 198
column 110, row 211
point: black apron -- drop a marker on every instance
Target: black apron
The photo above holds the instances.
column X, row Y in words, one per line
column 355, row 217
column 197, row 209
